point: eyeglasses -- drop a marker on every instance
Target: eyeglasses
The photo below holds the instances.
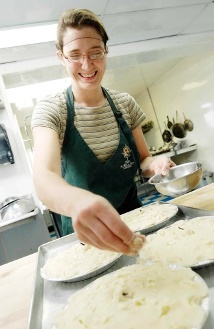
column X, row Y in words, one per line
column 77, row 58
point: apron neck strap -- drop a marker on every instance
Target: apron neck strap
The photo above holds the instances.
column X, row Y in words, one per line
column 70, row 102
column 123, row 125
column 117, row 113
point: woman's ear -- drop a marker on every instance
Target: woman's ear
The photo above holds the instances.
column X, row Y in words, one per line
column 106, row 49
column 60, row 56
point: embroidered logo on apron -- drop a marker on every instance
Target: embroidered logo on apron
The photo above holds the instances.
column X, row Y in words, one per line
column 126, row 153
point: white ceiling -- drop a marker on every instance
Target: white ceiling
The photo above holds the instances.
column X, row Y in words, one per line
column 142, row 35
column 22, row 12
column 125, row 21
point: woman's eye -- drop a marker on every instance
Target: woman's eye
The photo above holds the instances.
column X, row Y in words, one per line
column 75, row 57
column 95, row 55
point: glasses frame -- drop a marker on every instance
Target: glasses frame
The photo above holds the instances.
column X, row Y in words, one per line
column 83, row 57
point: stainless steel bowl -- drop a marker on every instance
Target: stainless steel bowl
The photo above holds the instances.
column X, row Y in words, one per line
column 7, row 201
column 16, row 208
column 180, row 179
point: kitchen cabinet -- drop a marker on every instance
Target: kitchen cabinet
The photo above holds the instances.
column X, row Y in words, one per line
column 22, row 237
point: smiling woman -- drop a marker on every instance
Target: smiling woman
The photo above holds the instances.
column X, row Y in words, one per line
column 88, row 141
column 82, row 54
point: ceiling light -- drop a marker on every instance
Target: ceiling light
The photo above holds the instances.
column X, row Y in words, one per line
column 36, row 90
column 193, row 85
column 27, row 35
column 206, row 105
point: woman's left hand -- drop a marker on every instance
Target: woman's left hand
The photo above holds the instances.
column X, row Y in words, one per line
column 161, row 165
column 150, row 165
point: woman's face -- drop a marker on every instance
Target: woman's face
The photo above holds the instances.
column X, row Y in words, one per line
column 87, row 73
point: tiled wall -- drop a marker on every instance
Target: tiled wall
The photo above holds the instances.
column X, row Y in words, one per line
column 188, row 88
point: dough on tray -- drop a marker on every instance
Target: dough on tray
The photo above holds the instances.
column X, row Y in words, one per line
column 136, row 296
column 76, row 261
column 147, row 216
column 186, row 242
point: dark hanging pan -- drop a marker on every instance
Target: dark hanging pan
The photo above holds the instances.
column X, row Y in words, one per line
column 169, row 123
column 167, row 136
column 178, row 129
column 188, row 124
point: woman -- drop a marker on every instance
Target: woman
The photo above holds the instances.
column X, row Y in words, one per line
column 88, row 142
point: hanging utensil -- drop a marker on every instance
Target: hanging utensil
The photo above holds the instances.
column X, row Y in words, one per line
column 188, row 124
column 178, row 129
column 169, row 123
column 167, row 136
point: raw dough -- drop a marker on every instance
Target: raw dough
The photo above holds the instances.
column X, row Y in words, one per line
column 148, row 216
column 75, row 261
column 136, row 297
column 186, row 242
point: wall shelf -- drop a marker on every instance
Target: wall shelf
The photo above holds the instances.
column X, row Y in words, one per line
column 178, row 152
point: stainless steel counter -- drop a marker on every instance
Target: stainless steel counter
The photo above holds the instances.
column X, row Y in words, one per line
column 52, row 296
column 17, row 277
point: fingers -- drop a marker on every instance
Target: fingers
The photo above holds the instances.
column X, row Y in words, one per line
column 95, row 232
column 97, row 223
column 100, row 236
column 124, row 237
column 137, row 244
column 97, row 235
column 113, row 222
column 89, row 239
column 166, row 168
column 163, row 166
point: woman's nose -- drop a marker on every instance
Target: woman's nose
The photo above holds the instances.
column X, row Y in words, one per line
column 86, row 62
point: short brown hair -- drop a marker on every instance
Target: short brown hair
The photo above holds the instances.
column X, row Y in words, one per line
column 78, row 18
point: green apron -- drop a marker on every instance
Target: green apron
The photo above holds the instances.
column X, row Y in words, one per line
column 112, row 179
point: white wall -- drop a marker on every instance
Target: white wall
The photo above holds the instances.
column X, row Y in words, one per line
column 15, row 179
column 187, row 88
column 153, row 136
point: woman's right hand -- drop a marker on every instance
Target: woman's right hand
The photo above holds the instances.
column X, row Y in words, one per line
column 97, row 223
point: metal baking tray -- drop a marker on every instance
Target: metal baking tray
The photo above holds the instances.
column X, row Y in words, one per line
column 51, row 249
column 48, row 297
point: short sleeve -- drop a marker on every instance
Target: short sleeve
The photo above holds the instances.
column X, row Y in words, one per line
column 136, row 114
column 129, row 108
column 51, row 112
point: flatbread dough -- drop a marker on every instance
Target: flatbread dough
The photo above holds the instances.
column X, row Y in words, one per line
column 76, row 261
column 136, row 297
column 148, row 216
column 186, row 242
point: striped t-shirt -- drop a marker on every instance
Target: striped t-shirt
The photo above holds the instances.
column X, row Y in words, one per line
column 96, row 125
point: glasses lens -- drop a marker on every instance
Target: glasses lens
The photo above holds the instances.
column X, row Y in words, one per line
column 75, row 58
column 96, row 55
column 80, row 57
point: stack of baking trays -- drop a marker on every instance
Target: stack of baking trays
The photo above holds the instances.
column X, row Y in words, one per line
column 170, row 285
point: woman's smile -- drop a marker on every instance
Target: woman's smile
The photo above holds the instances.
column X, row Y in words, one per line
column 88, row 75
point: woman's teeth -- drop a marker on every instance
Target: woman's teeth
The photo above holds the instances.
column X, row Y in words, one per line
column 88, row 75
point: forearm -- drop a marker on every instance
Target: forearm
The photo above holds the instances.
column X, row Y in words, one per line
column 55, row 193
column 147, row 168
